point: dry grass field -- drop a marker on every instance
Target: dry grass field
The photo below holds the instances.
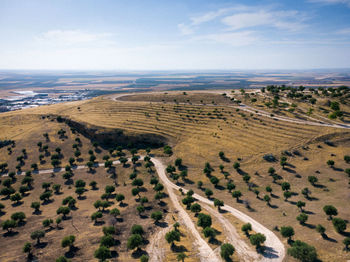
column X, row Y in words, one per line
column 197, row 126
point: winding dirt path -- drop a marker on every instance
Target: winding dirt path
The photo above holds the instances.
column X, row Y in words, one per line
column 245, row 252
column 154, row 248
column 275, row 250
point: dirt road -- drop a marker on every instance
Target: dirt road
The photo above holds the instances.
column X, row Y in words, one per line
column 275, row 250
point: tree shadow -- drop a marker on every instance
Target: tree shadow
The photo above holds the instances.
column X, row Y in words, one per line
column 16, row 204
column 308, row 212
column 214, row 241
column 312, row 198
column 114, row 254
column 92, row 171
column 273, row 206
column 345, row 234
column 138, row 253
column 162, row 203
column 319, row 186
column 46, row 202
column 178, row 183
column 275, row 196
column 241, row 172
column 10, row 233
column 267, row 252
column 74, row 208
column 71, row 252
column 49, row 229
column 338, row 169
column 41, row 245
column 225, row 159
column 290, row 165
column 326, row 237
column 57, row 169
column 68, row 182
column 21, row 223
column 123, row 204
column 222, row 211
column 219, row 187
column 188, row 181
column 37, row 212
column 309, row 225
column 162, row 224
column 289, row 170
column 99, row 223
column 178, row 249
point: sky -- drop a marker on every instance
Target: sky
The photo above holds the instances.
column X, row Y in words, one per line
column 174, row 35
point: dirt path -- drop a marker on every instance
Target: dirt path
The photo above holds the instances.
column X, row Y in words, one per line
column 275, row 250
column 244, row 251
column 155, row 250
column 205, row 251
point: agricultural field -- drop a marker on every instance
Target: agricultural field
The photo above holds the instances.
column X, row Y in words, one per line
column 271, row 157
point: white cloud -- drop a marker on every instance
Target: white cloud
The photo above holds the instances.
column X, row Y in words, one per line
column 330, row 2
column 243, row 38
column 279, row 19
column 188, row 29
column 242, row 16
column 185, row 29
column 70, row 37
column 197, row 20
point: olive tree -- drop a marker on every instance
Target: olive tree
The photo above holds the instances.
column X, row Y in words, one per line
column 172, row 236
column 204, row 220
column 68, row 241
column 339, row 224
column 157, row 216
column 38, row 234
column 302, row 251
column 257, row 239
column 330, row 211
column 287, row 232
column 246, row 228
column 226, row 251
column 102, row 253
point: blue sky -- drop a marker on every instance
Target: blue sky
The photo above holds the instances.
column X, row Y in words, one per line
column 168, row 34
